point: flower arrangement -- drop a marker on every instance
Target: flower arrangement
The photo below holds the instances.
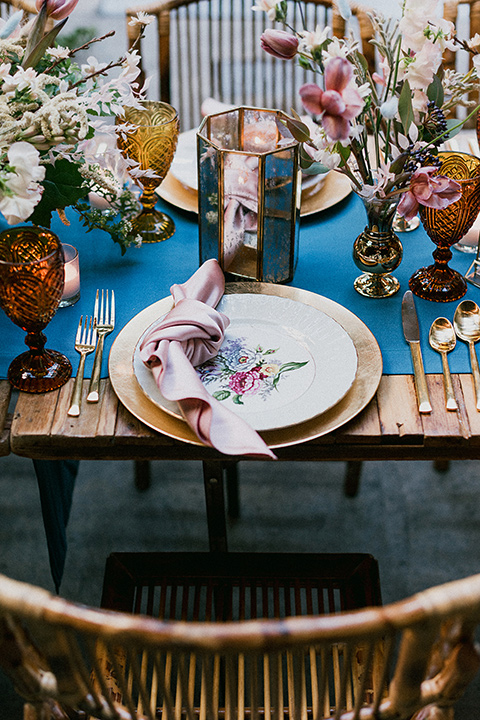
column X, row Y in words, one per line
column 382, row 130
column 57, row 136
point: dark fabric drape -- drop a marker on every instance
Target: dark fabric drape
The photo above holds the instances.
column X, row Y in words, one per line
column 56, row 483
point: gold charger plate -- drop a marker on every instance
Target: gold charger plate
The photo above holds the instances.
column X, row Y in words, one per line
column 335, row 189
column 364, row 387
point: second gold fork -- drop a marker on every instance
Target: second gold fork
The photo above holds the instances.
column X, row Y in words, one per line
column 85, row 342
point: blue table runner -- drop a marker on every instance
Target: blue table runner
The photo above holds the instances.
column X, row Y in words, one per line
column 325, row 266
column 144, row 275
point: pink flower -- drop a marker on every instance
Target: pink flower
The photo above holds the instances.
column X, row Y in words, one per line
column 57, row 9
column 339, row 103
column 279, row 43
column 430, row 190
column 245, row 383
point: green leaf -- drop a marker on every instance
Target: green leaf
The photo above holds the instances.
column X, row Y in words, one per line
column 63, row 186
column 291, row 366
column 222, row 394
column 238, row 400
column 34, row 53
column 435, row 92
column 12, row 22
column 451, row 122
column 405, row 109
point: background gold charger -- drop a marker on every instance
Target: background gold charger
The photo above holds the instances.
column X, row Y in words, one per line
column 365, row 385
column 335, row 189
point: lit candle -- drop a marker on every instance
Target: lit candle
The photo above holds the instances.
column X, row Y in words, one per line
column 71, row 289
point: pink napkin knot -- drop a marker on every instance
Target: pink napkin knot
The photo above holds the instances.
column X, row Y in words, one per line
column 189, row 335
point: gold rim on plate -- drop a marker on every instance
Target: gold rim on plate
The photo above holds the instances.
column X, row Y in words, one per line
column 369, row 370
column 335, row 189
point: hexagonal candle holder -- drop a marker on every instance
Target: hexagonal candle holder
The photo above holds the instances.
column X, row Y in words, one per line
column 249, row 194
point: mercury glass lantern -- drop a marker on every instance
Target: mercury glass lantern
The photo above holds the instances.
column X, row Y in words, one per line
column 249, row 193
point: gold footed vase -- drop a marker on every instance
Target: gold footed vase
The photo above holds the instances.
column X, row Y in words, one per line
column 377, row 251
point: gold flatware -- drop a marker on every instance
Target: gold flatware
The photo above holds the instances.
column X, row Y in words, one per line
column 442, row 339
column 466, row 322
column 104, row 317
column 85, row 342
column 411, row 331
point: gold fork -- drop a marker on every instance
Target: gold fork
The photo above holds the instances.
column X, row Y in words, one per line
column 105, row 320
column 85, row 342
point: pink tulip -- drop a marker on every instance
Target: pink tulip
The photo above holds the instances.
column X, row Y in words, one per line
column 433, row 191
column 57, row 9
column 279, row 43
column 339, row 103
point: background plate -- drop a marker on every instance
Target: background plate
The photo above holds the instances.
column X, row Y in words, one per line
column 307, row 362
column 369, row 370
column 335, row 189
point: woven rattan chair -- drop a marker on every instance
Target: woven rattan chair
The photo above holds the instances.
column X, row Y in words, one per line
column 465, row 15
column 70, row 661
column 211, row 48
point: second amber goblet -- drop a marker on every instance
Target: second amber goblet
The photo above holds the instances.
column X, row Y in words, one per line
column 439, row 282
column 151, row 140
column 31, row 286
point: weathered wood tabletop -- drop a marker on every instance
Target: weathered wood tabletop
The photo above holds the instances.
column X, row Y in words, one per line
column 389, row 428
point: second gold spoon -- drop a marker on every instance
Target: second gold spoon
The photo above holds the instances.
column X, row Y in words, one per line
column 442, row 338
column 466, row 322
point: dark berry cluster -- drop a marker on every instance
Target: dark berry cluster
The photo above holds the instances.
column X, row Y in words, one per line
column 420, row 158
column 435, row 123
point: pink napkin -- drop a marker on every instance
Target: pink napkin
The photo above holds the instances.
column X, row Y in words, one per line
column 191, row 333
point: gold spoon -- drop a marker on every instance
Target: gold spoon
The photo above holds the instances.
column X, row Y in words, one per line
column 442, row 338
column 466, row 322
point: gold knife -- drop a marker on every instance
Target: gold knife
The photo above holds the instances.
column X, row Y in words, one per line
column 411, row 331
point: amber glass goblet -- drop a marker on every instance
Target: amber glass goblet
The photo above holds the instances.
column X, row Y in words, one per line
column 445, row 227
column 151, row 141
column 31, row 286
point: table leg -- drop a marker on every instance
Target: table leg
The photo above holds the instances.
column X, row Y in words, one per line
column 215, row 505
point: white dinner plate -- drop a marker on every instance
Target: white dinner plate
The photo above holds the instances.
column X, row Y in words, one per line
column 184, row 165
column 282, row 362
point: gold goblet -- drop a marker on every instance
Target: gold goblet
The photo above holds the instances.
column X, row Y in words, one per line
column 31, row 286
column 151, row 141
column 438, row 282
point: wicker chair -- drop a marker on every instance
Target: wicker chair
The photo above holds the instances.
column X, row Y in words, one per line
column 465, row 15
column 211, row 48
column 71, row 661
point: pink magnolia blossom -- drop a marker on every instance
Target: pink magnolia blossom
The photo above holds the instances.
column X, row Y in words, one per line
column 279, row 43
column 430, row 190
column 57, row 9
column 339, row 103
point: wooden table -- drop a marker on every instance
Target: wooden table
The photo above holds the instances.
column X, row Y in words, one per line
column 390, row 428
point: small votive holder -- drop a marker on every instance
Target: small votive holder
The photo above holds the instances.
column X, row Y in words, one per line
column 71, row 290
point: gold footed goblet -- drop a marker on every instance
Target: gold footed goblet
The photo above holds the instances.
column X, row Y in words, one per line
column 151, row 141
column 439, row 282
column 31, row 286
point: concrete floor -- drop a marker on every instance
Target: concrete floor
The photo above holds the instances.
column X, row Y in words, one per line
column 422, row 526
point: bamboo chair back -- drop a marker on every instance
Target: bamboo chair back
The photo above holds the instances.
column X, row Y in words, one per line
column 211, row 48
column 465, row 15
column 65, row 658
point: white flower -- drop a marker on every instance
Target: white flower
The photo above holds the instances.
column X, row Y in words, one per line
column 389, row 108
column 141, row 18
column 268, row 6
column 337, row 48
column 21, row 188
column 414, row 22
column 311, row 40
column 59, row 53
column 474, row 42
column 422, row 67
column 21, row 80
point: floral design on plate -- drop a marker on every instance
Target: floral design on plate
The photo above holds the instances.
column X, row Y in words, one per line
column 286, row 360
column 241, row 371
